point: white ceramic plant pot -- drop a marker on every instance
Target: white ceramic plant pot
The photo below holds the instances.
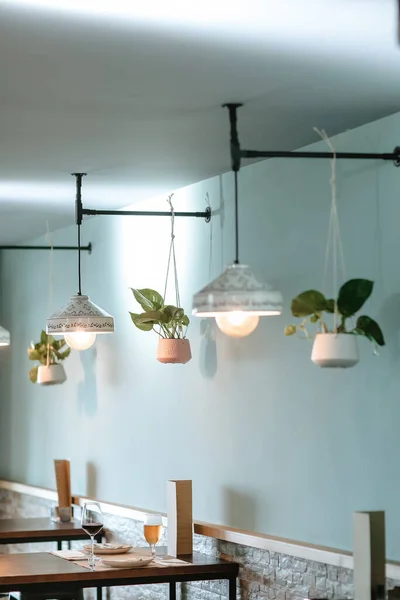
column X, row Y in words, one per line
column 336, row 350
column 51, row 375
column 173, row 351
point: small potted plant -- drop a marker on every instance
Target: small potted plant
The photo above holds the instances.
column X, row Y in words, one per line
column 49, row 353
column 169, row 322
column 336, row 346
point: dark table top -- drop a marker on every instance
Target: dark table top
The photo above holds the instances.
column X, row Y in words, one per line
column 14, row 531
column 41, row 571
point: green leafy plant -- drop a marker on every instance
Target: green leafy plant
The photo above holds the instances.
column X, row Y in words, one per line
column 353, row 294
column 48, row 346
column 171, row 320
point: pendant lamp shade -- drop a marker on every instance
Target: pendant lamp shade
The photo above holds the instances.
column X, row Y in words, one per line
column 237, row 289
column 80, row 319
column 80, row 315
column 237, row 298
column 5, row 339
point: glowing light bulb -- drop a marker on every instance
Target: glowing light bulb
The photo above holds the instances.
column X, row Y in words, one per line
column 80, row 340
column 237, row 323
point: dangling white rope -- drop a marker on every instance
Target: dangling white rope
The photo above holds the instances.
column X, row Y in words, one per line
column 172, row 256
column 49, row 239
column 334, row 241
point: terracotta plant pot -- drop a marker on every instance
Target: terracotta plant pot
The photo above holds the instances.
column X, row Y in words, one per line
column 51, row 375
column 335, row 350
column 173, row 351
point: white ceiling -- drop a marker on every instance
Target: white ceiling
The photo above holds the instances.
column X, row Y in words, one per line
column 131, row 91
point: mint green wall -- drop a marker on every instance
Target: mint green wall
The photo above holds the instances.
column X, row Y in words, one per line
column 273, row 443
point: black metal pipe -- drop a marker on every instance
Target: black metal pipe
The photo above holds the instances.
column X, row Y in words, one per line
column 234, row 142
column 237, row 153
column 392, row 156
column 78, row 205
column 78, row 197
column 147, row 213
column 87, row 248
column 236, row 218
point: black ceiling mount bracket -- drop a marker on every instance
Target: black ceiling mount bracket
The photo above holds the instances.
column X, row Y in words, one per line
column 391, row 156
column 206, row 214
column 234, row 142
column 78, row 200
column 396, row 161
column 87, row 248
column 237, row 153
column 80, row 211
column 78, row 215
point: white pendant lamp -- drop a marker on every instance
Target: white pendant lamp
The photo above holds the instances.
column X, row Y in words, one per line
column 80, row 340
column 80, row 320
column 237, row 298
column 5, row 339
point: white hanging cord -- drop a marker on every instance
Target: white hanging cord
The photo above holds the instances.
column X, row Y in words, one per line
column 334, row 241
column 172, row 255
column 49, row 239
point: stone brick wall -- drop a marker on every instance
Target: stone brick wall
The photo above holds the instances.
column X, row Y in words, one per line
column 263, row 575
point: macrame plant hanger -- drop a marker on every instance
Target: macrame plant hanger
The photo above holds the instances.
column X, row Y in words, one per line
column 49, row 239
column 334, row 348
column 172, row 256
column 334, row 247
column 177, row 348
column 50, row 373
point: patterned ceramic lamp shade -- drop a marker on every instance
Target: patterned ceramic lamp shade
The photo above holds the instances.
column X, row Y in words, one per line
column 80, row 315
column 237, row 289
column 4, row 337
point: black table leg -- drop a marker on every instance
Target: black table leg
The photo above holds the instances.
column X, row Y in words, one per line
column 99, row 593
column 69, row 544
column 59, row 545
column 172, row 590
column 232, row 588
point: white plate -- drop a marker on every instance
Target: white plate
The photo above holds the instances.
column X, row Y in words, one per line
column 124, row 562
column 100, row 549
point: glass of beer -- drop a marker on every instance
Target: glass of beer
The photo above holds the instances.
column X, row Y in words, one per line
column 152, row 531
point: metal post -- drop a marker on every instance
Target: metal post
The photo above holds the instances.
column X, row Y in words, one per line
column 206, row 215
column 232, row 588
column 78, row 199
column 78, row 177
column 386, row 156
column 235, row 160
column 172, row 590
column 237, row 154
column 234, row 142
column 87, row 248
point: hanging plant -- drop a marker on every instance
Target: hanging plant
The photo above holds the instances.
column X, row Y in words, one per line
column 335, row 346
column 169, row 322
column 49, row 353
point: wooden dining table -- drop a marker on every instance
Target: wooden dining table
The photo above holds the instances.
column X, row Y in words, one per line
column 43, row 572
column 31, row 530
column 34, row 530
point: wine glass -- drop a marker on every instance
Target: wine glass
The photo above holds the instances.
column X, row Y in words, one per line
column 152, row 531
column 92, row 523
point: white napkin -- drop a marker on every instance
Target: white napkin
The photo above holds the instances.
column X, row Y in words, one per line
column 70, row 554
column 168, row 560
column 111, row 546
